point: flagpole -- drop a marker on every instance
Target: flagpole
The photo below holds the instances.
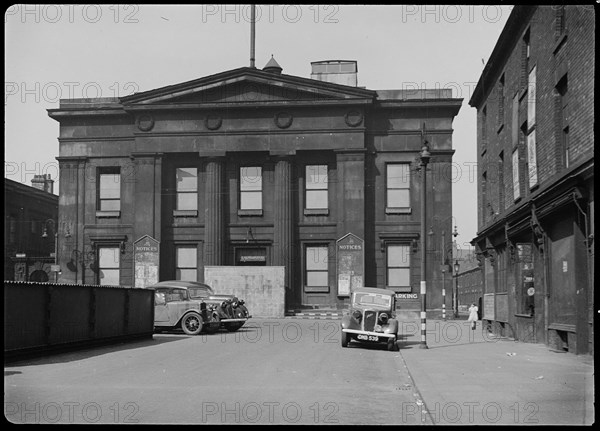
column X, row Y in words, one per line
column 252, row 34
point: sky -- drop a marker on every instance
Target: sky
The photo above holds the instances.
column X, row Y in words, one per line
column 55, row 52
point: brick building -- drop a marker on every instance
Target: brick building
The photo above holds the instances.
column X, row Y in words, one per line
column 255, row 167
column 535, row 153
column 31, row 217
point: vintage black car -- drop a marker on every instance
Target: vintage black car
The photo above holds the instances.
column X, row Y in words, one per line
column 371, row 318
column 174, row 308
column 228, row 310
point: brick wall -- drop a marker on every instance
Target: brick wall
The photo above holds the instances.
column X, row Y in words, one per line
column 560, row 41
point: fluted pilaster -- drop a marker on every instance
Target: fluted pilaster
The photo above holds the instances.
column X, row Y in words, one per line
column 214, row 230
column 283, row 227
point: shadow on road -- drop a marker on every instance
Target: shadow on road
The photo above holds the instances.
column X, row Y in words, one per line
column 69, row 354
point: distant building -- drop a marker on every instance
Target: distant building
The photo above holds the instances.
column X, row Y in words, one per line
column 469, row 279
column 535, row 154
column 255, row 167
column 31, row 217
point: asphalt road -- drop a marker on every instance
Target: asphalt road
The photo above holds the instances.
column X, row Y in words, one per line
column 272, row 371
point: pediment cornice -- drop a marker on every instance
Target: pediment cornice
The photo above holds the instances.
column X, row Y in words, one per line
column 262, row 86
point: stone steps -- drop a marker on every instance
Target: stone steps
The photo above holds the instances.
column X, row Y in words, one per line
column 315, row 313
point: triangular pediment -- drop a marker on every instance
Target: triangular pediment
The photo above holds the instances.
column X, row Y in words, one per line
column 246, row 85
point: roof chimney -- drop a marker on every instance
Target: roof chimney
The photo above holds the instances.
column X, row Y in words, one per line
column 43, row 182
column 273, row 67
column 344, row 72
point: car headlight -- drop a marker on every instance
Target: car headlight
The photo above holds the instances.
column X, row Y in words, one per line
column 383, row 318
column 235, row 304
column 357, row 314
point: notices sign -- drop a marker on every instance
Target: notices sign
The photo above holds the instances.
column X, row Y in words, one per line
column 350, row 254
column 146, row 257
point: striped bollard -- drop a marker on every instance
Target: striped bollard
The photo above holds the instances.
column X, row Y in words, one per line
column 423, row 344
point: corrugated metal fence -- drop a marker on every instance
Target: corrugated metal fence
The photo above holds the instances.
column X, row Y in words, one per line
column 40, row 317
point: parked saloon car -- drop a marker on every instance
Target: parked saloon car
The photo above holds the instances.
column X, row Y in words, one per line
column 173, row 308
column 371, row 318
column 228, row 310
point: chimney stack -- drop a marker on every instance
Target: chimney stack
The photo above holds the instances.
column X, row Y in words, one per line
column 43, row 182
column 344, row 72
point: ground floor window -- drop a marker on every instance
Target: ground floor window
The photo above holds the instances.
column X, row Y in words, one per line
column 316, row 263
column 525, row 276
column 109, row 263
column 398, row 266
column 186, row 265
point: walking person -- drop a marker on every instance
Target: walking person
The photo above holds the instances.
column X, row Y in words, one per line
column 473, row 316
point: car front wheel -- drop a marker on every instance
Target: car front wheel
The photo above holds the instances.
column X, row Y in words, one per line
column 191, row 324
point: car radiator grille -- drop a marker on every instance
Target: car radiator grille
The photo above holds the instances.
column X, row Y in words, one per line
column 370, row 320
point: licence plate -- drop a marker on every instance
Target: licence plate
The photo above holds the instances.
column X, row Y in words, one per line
column 365, row 337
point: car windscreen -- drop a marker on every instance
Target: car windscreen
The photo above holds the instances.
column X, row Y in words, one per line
column 199, row 292
column 372, row 299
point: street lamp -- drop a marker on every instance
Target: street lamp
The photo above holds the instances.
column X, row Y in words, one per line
column 55, row 268
column 456, row 269
column 424, row 158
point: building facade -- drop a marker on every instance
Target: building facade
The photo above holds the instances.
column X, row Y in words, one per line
column 31, row 221
column 535, row 152
column 255, row 167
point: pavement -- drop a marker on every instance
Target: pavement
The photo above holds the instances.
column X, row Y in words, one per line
column 469, row 376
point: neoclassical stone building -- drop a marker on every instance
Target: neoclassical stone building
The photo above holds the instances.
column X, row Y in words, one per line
column 256, row 167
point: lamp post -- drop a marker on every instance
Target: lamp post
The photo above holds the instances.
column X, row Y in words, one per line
column 424, row 159
column 45, row 235
column 455, row 305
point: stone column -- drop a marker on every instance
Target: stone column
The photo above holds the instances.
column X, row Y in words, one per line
column 283, row 241
column 214, row 213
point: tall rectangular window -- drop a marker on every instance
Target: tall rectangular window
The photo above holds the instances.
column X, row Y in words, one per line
column 109, row 190
column 186, row 189
column 398, row 186
column 316, row 187
column 532, row 159
column 500, row 121
column 484, row 137
column 531, row 98
column 525, row 53
column 109, row 259
column 186, row 263
column 484, row 199
column 398, row 265
column 559, row 20
column 525, row 289
column 515, row 121
column 515, row 175
column 251, row 188
column 563, row 123
column 501, row 190
column 316, row 267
